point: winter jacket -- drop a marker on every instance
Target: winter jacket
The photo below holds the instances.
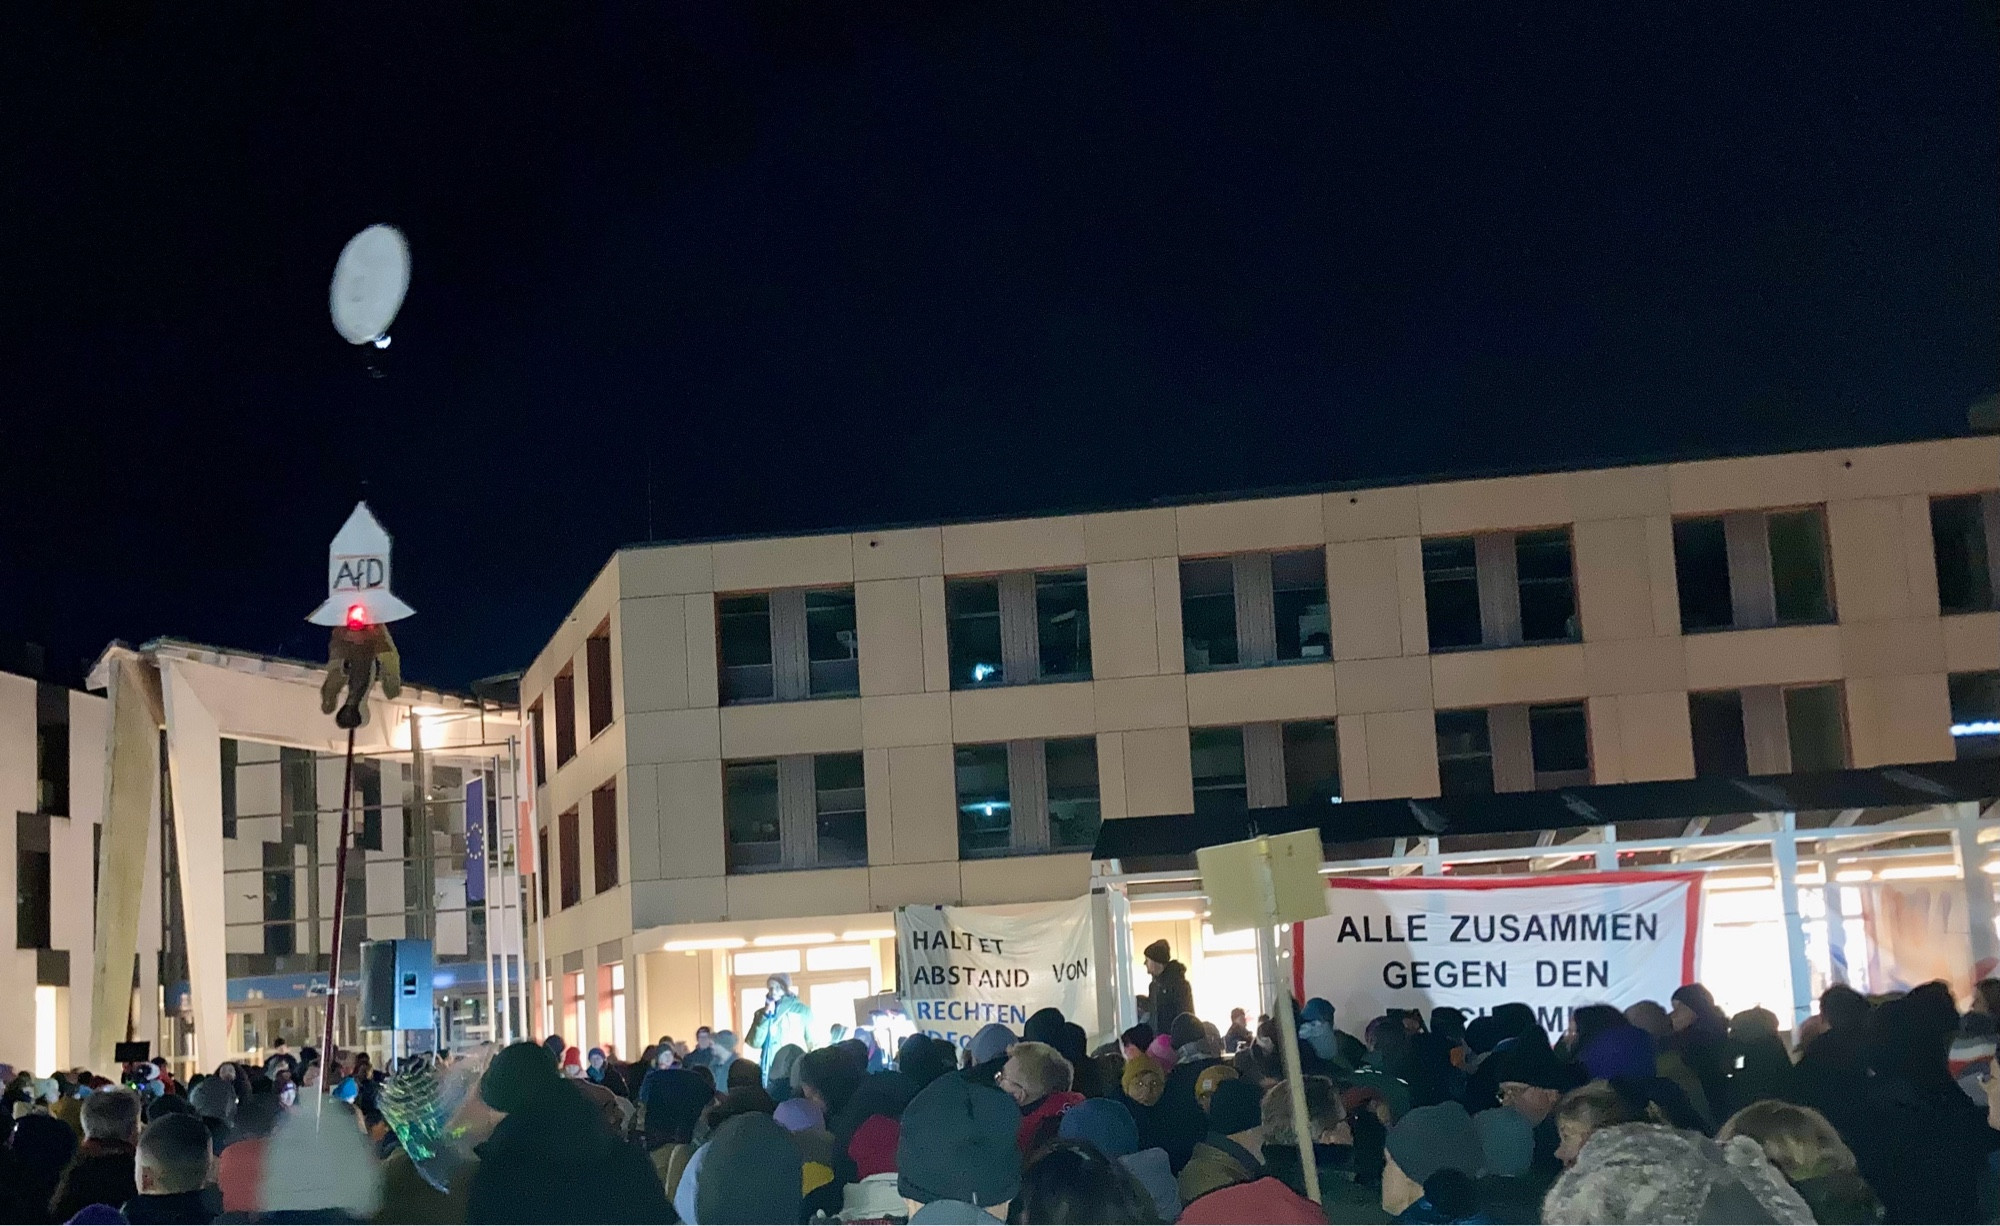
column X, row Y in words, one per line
column 1040, row 1119
column 1345, row 1200
column 1156, row 1175
column 199, row 1206
column 1216, row 1163
column 100, row 1174
column 529, row 1169
column 786, row 1023
column 1170, row 995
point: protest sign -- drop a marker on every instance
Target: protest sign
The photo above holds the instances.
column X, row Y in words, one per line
column 1556, row 943
column 961, row 968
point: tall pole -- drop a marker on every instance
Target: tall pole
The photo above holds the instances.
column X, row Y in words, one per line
column 1288, row 1035
column 339, row 914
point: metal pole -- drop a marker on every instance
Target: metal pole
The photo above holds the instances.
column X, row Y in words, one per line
column 1836, row 922
column 1978, row 889
column 339, row 913
column 1288, row 1031
column 1785, row 853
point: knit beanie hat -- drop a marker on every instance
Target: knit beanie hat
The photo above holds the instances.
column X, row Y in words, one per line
column 214, row 1099
column 1137, row 1067
column 1209, row 1078
column 1042, row 1026
column 958, row 1143
column 1185, row 1029
column 516, row 1077
column 873, row 1149
column 1236, row 1107
column 1433, row 1139
column 799, row 1114
column 1159, row 951
column 1104, row 1123
column 1532, row 1064
column 1507, row 1140
column 1622, row 1051
column 992, row 1042
column 313, row 1164
column 753, row 1173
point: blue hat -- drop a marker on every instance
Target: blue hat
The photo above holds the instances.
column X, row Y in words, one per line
column 1103, row 1122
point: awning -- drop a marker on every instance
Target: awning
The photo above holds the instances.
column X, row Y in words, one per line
column 1923, row 784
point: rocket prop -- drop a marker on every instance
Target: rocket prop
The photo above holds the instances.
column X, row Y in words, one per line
column 359, row 606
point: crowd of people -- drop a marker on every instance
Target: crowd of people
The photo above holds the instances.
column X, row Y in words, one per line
column 1875, row 1110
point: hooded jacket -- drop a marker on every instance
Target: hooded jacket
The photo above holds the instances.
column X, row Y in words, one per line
column 529, row 1168
column 1170, row 995
column 787, row 1023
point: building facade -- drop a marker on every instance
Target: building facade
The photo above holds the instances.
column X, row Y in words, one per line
column 748, row 753
column 52, row 791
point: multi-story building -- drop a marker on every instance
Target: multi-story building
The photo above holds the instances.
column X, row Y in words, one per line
column 766, row 746
column 52, row 787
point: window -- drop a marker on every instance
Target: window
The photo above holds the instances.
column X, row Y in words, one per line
column 543, row 869
column 840, row 809
column 1027, row 797
column 1513, row 748
column 985, row 814
column 597, row 677
column 1716, row 722
column 1451, row 593
column 750, row 810
column 1975, row 714
column 1264, row 766
column 1965, row 532
column 1500, row 589
column 1465, row 753
column 1559, row 745
column 280, row 900
column 565, row 716
column 31, row 880
column 1221, row 788
column 1815, row 728
column 604, row 837
column 611, row 1009
column 536, row 743
column 1751, row 569
column 1298, row 603
column 573, row 1007
column 1312, row 763
column 743, row 628
column 788, row 645
column 228, row 756
column 796, row 812
column 1798, row 567
column 1018, row 627
column 52, row 748
column 1768, row 730
column 1208, row 613
column 1062, row 625
column 569, row 833
column 972, row 609
column 1255, row 608
column 1548, row 586
column 368, row 796
column 831, row 644
column 1074, row 810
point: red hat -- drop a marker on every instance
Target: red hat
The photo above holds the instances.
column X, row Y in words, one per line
column 873, row 1147
column 1262, row 1200
column 572, row 1056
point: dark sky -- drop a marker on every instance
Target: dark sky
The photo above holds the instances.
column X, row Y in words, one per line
column 824, row 264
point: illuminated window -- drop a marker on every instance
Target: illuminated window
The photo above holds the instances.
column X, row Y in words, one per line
column 1027, row 797
column 1018, row 627
column 611, row 1010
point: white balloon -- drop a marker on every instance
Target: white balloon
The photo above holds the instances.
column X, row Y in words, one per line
column 369, row 281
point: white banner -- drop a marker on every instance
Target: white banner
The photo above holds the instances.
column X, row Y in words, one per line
column 960, row 968
column 1555, row 943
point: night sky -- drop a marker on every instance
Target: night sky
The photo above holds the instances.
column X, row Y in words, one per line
column 825, row 264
